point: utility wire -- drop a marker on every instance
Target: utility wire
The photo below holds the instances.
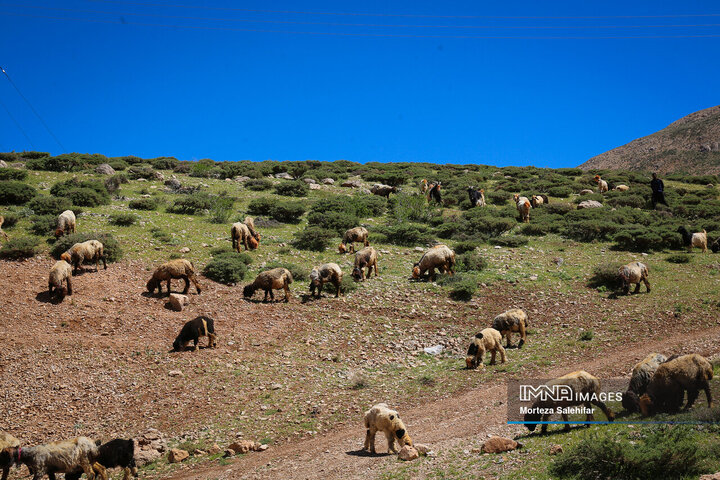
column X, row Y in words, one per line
column 17, row 124
column 33, row 109
column 350, row 34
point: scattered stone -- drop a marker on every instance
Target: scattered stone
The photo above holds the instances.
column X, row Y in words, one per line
column 408, row 453
column 284, row 175
column 185, row 250
column 328, row 181
column 351, row 184
column 158, row 176
column 419, row 249
column 244, row 446
column 710, row 476
column 105, row 169
column 215, row 449
column 499, row 445
column 149, row 446
column 178, row 301
column 315, row 186
column 229, row 453
column 4, row 165
column 173, row 183
column 422, row 449
column 241, row 178
column 555, row 449
column 589, row 204
column 262, row 448
column 309, row 181
column 586, row 191
column 176, row 373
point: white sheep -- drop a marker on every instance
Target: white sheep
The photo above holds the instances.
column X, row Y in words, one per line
column 55, row 457
column 65, row 223
column 89, row 251
column 523, row 207
column 440, row 257
column 381, row 418
column 60, row 273
column 514, row 320
column 602, row 184
column 487, row 340
column 634, row 272
column 327, row 272
column 178, row 268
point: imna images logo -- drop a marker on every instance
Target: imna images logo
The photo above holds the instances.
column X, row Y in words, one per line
column 544, row 393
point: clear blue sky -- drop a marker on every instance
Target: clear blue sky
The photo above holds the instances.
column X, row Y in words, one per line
column 125, row 83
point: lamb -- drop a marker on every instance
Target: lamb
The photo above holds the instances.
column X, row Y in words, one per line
column 65, row 224
column 537, row 200
column 634, row 272
column 113, row 454
column 383, row 190
column 690, row 240
column 178, row 268
column 488, row 339
column 250, row 223
column 477, row 197
column 642, row 372
column 240, row 233
column 268, row 281
column 666, row 388
column 602, row 184
column 59, row 273
column 89, row 251
column 327, row 272
column 6, row 441
column 381, row 418
column 514, row 320
column 621, row 188
column 4, row 235
column 55, row 457
column 582, row 384
column 365, row 258
column 440, row 257
column 201, row 326
column 523, row 207
column 357, row 234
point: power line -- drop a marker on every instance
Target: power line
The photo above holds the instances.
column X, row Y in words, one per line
column 410, row 15
column 351, row 34
column 33, row 109
column 16, row 123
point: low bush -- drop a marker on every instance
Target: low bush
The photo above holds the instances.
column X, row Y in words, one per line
column 86, row 193
column 347, row 285
column 144, row 204
column 192, row 204
column 298, row 273
column 13, row 174
column 461, row 287
column 313, row 238
column 296, row 188
column 13, row 192
column 18, row 248
column 511, row 241
column 41, row 205
column 406, row 234
column 118, row 165
column 499, row 197
column 258, row 184
column 113, row 251
column 136, row 171
column 338, row 222
column 562, row 191
column 412, row 208
column 463, row 247
column 228, row 267
column 11, row 219
column 221, row 209
column 112, row 184
column 123, row 219
column 586, row 335
column 67, row 162
column 558, row 208
column 164, row 163
column 470, row 262
column 282, row 211
column 633, row 201
column 43, row 225
column 605, row 275
column 678, row 258
column 361, row 206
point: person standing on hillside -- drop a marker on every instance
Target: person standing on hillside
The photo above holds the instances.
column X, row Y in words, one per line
column 658, row 191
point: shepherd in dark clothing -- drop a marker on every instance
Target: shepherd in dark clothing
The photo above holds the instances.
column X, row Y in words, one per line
column 658, row 191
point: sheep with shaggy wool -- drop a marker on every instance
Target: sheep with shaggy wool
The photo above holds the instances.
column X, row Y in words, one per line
column 55, row 457
column 357, row 234
column 423, row 185
column 666, row 389
column 382, row 190
column 174, row 269
column 634, row 272
column 60, row 273
column 487, row 340
column 6, row 441
column 440, row 257
column 584, row 390
column 365, row 258
column 514, row 320
column 88, row 251
column 268, row 281
column 602, row 184
column 621, row 188
column 642, row 372
column 65, row 223
column 383, row 419
column 201, row 326
column 537, row 200
column 117, row 453
column 250, row 223
column 690, row 240
column 240, row 234
column 327, row 272
column 523, row 207
column 477, row 197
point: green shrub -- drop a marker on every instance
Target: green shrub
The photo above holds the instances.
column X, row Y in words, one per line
column 511, row 241
column 298, row 273
column 67, row 162
column 111, row 247
column 258, row 184
column 412, row 208
column 678, row 258
column 164, row 163
column 499, row 197
column 229, row 267
column 361, row 206
column 192, row 204
column 590, row 230
column 463, row 247
column 470, row 262
column 313, row 238
column 11, row 219
column 482, row 226
column 118, row 165
column 49, row 205
column 43, row 225
column 562, row 191
column 144, row 204
column 86, row 193
column 586, row 335
column 338, row 222
column 136, row 171
column 461, row 287
column 407, row 234
column 163, row 236
column 18, row 248
column 282, row 211
column 15, row 193
column 633, row 201
column 13, row 174
column 605, row 276
column 347, row 285
column 222, row 208
column 559, row 208
column 112, row 183
column 87, row 197
column 296, row 188
column 123, row 219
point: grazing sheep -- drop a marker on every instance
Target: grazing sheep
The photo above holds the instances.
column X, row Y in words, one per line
column 327, row 272
column 179, row 268
column 642, row 372
column 6, row 441
column 537, row 200
column 514, row 320
column 434, row 193
column 268, row 281
column 240, row 233
column 383, row 190
column 602, row 184
column 581, row 383
column 59, row 273
column 4, row 235
column 634, row 272
column 89, row 251
column 523, row 207
column 715, row 247
column 65, row 224
column 440, row 257
column 250, row 222
column 55, row 457
column 477, row 197
column 690, row 240
column 365, row 258
column 357, row 234
column 381, row 418
column 117, row 453
column 666, row 389
column 621, row 188
column 487, row 340
column 201, row 326
column 423, row 186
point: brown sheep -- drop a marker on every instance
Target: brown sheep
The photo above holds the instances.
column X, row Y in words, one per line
column 537, row 200
column 60, row 273
column 251, row 226
column 641, row 374
column 381, row 418
column 365, row 258
column 580, row 382
column 440, row 257
column 357, row 234
column 179, row 268
column 56, row 457
column 515, row 320
column 240, row 233
column 487, row 340
column 89, row 251
column 666, row 389
column 602, row 184
column 523, row 207
column 4, row 235
column 622, row 188
column 328, row 272
column 423, row 185
column 65, row 223
column 268, row 281
column 383, row 190
column 634, row 272
column 6, row 441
